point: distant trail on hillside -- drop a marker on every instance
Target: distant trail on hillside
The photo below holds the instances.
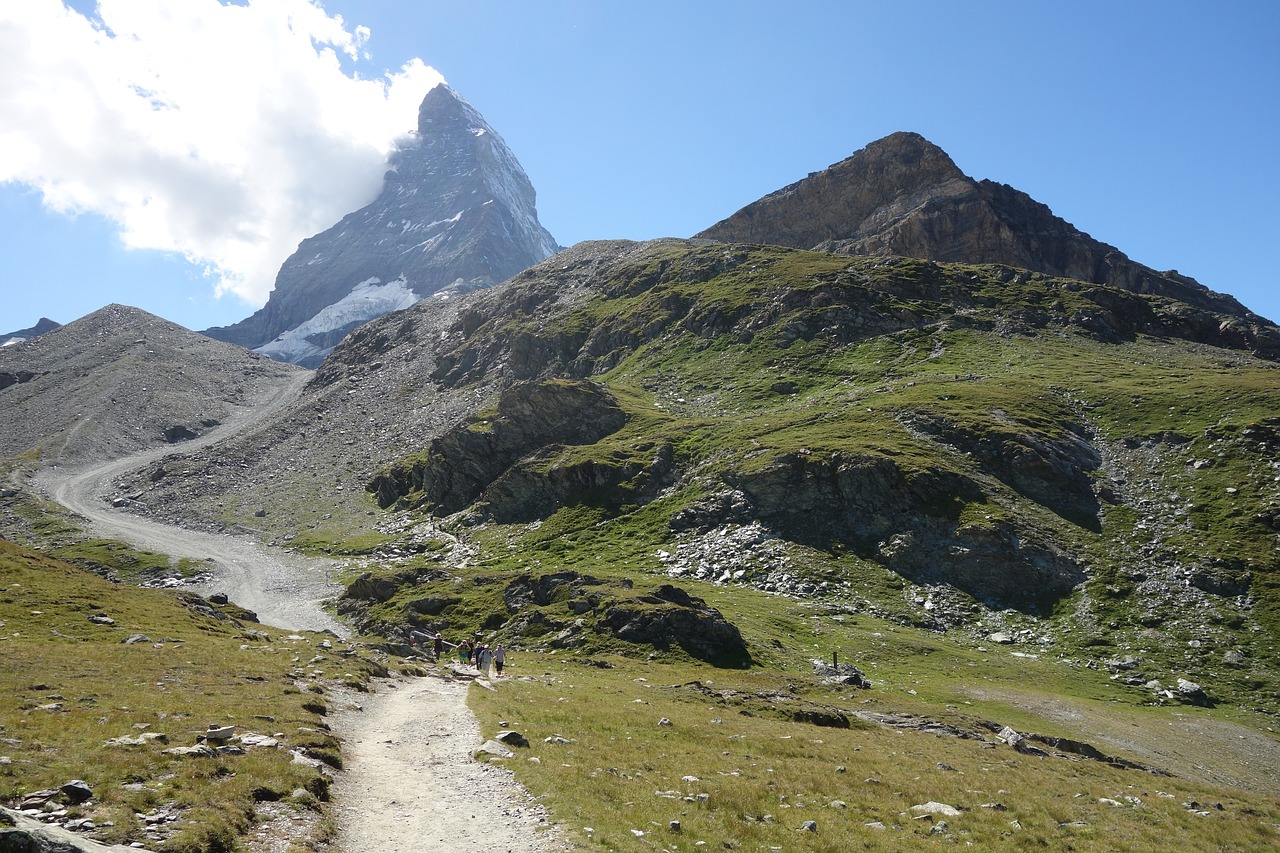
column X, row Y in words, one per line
column 286, row 590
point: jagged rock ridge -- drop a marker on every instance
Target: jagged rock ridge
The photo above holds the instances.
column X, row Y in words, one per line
column 456, row 213
column 903, row 195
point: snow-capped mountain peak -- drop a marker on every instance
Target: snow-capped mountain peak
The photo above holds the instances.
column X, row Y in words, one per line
column 456, row 213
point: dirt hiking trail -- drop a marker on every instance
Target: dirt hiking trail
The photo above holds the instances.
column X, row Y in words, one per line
column 414, row 785
column 410, row 781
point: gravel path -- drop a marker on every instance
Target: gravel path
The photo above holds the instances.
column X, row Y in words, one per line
column 285, row 590
column 414, row 784
column 410, row 782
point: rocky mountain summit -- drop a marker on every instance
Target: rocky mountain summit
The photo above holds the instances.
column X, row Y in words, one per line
column 44, row 325
column 456, row 213
column 119, row 380
column 902, row 195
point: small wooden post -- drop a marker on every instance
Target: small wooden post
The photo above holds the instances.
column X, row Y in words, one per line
column 834, row 659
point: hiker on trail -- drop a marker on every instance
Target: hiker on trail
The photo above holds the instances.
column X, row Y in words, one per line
column 485, row 660
column 416, row 637
column 481, row 651
column 464, row 653
column 438, row 645
column 499, row 658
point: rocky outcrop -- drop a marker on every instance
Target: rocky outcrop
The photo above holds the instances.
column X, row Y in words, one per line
column 902, row 195
column 22, row 834
column 1052, row 470
column 670, row 617
column 456, row 213
column 665, row 618
column 493, row 457
column 7, row 379
column 910, row 523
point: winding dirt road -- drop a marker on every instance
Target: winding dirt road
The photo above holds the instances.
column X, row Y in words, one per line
column 284, row 589
column 410, row 782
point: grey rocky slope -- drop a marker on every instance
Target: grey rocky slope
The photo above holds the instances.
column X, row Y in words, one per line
column 373, row 401
column 307, row 467
column 902, row 195
column 119, row 380
column 456, row 213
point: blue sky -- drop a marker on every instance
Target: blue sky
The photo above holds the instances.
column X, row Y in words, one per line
column 1153, row 126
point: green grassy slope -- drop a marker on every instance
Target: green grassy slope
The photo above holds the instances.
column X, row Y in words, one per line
column 1006, row 498
column 979, row 438
column 84, row 661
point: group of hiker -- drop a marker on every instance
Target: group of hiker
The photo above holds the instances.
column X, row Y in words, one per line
column 472, row 653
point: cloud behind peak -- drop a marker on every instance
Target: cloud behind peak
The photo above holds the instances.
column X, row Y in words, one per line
column 225, row 133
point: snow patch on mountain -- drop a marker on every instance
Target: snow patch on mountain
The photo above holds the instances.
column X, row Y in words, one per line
column 368, row 299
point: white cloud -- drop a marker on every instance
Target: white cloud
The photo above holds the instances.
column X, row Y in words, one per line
column 227, row 133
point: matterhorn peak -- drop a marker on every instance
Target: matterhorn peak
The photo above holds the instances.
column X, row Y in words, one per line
column 456, row 213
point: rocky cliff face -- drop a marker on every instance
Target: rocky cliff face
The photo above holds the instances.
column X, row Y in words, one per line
column 903, row 195
column 456, row 213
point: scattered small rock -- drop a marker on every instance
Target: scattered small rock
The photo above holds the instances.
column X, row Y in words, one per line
column 935, row 808
column 77, row 791
column 511, row 738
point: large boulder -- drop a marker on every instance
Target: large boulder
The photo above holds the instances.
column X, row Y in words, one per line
column 671, row 617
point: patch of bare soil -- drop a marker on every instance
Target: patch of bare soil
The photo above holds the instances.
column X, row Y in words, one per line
column 414, row 784
column 1201, row 749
